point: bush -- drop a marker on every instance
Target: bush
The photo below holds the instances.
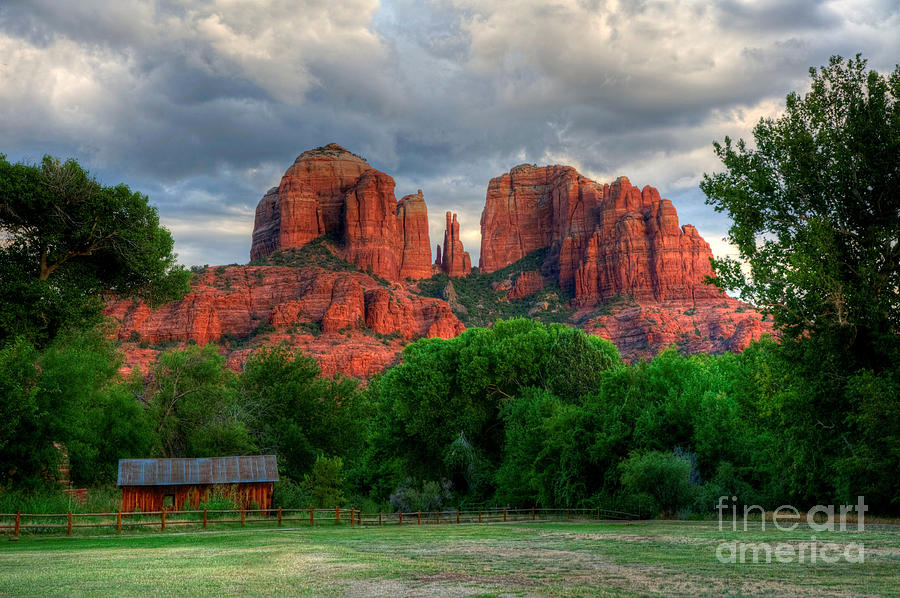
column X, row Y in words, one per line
column 665, row 477
column 289, row 494
column 429, row 496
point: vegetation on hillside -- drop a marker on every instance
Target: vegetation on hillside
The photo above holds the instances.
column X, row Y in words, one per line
column 477, row 303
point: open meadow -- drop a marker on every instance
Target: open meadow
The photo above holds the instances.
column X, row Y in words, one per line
column 521, row 559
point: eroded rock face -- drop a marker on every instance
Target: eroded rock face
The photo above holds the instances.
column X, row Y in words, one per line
column 336, row 317
column 332, row 191
column 455, row 260
column 605, row 240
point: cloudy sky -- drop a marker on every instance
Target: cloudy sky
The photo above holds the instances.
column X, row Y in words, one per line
column 203, row 105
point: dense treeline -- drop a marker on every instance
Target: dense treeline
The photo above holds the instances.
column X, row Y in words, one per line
column 522, row 414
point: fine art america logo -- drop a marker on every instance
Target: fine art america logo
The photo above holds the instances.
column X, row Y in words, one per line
column 787, row 519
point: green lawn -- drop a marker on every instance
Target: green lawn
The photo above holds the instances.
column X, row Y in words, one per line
column 523, row 559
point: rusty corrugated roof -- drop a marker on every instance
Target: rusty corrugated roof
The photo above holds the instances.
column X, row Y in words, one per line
column 209, row 470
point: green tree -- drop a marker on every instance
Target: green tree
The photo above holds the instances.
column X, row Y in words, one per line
column 67, row 241
column 70, row 394
column 815, row 207
column 663, row 476
column 192, row 405
column 296, row 414
column 439, row 413
column 325, row 483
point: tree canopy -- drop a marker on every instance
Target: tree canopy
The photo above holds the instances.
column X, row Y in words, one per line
column 67, row 240
column 815, row 205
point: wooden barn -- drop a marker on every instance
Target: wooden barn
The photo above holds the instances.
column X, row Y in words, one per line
column 154, row 484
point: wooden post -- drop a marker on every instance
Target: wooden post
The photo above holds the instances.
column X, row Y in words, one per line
column 69, row 520
column 567, row 513
column 379, row 518
column 532, row 513
column 457, row 514
column 204, row 518
column 479, row 515
column 312, row 520
column 119, row 521
column 162, row 520
column 438, row 517
column 504, row 515
column 352, row 512
column 418, row 517
column 18, row 522
column 337, row 514
column 400, row 518
column 598, row 512
column 359, row 517
column 279, row 516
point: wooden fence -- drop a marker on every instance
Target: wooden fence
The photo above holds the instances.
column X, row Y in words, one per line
column 38, row 523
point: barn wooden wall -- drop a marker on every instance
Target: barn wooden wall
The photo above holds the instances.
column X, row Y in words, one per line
column 150, row 498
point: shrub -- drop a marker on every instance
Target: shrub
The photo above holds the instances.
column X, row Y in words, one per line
column 429, row 496
column 291, row 495
column 665, row 477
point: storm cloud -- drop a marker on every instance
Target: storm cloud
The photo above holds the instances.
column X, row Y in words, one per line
column 202, row 105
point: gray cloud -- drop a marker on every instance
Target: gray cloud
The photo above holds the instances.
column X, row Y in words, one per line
column 203, row 105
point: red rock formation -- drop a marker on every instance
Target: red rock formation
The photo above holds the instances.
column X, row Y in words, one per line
column 268, row 304
column 330, row 190
column 455, row 260
column 604, row 240
column 527, row 283
column 642, row 329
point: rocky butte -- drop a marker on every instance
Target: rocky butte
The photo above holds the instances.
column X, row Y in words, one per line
column 342, row 270
column 635, row 275
column 330, row 191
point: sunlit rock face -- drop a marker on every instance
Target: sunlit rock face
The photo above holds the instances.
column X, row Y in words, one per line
column 330, row 191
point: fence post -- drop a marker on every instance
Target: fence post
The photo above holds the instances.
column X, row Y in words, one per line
column 457, row 514
column 119, row 521
column 312, row 520
column 400, row 518
column 418, row 517
column 359, row 517
column 567, row 513
column 532, row 513
column 438, row 517
column 337, row 514
column 379, row 518
column 243, row 515
column 204, row 518
column 598, row 512
column 18, row 522
column 69, row 521
column 504, row 515
column 279, row 516
column 162, row 519
column 479, row 515
column 352, row 512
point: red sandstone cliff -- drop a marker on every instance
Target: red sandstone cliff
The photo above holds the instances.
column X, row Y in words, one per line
column 636, row 276
column 350, row 322
column 330, row 190
column 605, row 240
column 455, row 260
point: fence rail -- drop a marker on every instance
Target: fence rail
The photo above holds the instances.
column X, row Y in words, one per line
column 39, row 523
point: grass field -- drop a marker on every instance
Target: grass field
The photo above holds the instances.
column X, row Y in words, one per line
column 523, row 559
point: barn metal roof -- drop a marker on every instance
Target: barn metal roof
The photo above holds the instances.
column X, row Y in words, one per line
column 210, row 470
